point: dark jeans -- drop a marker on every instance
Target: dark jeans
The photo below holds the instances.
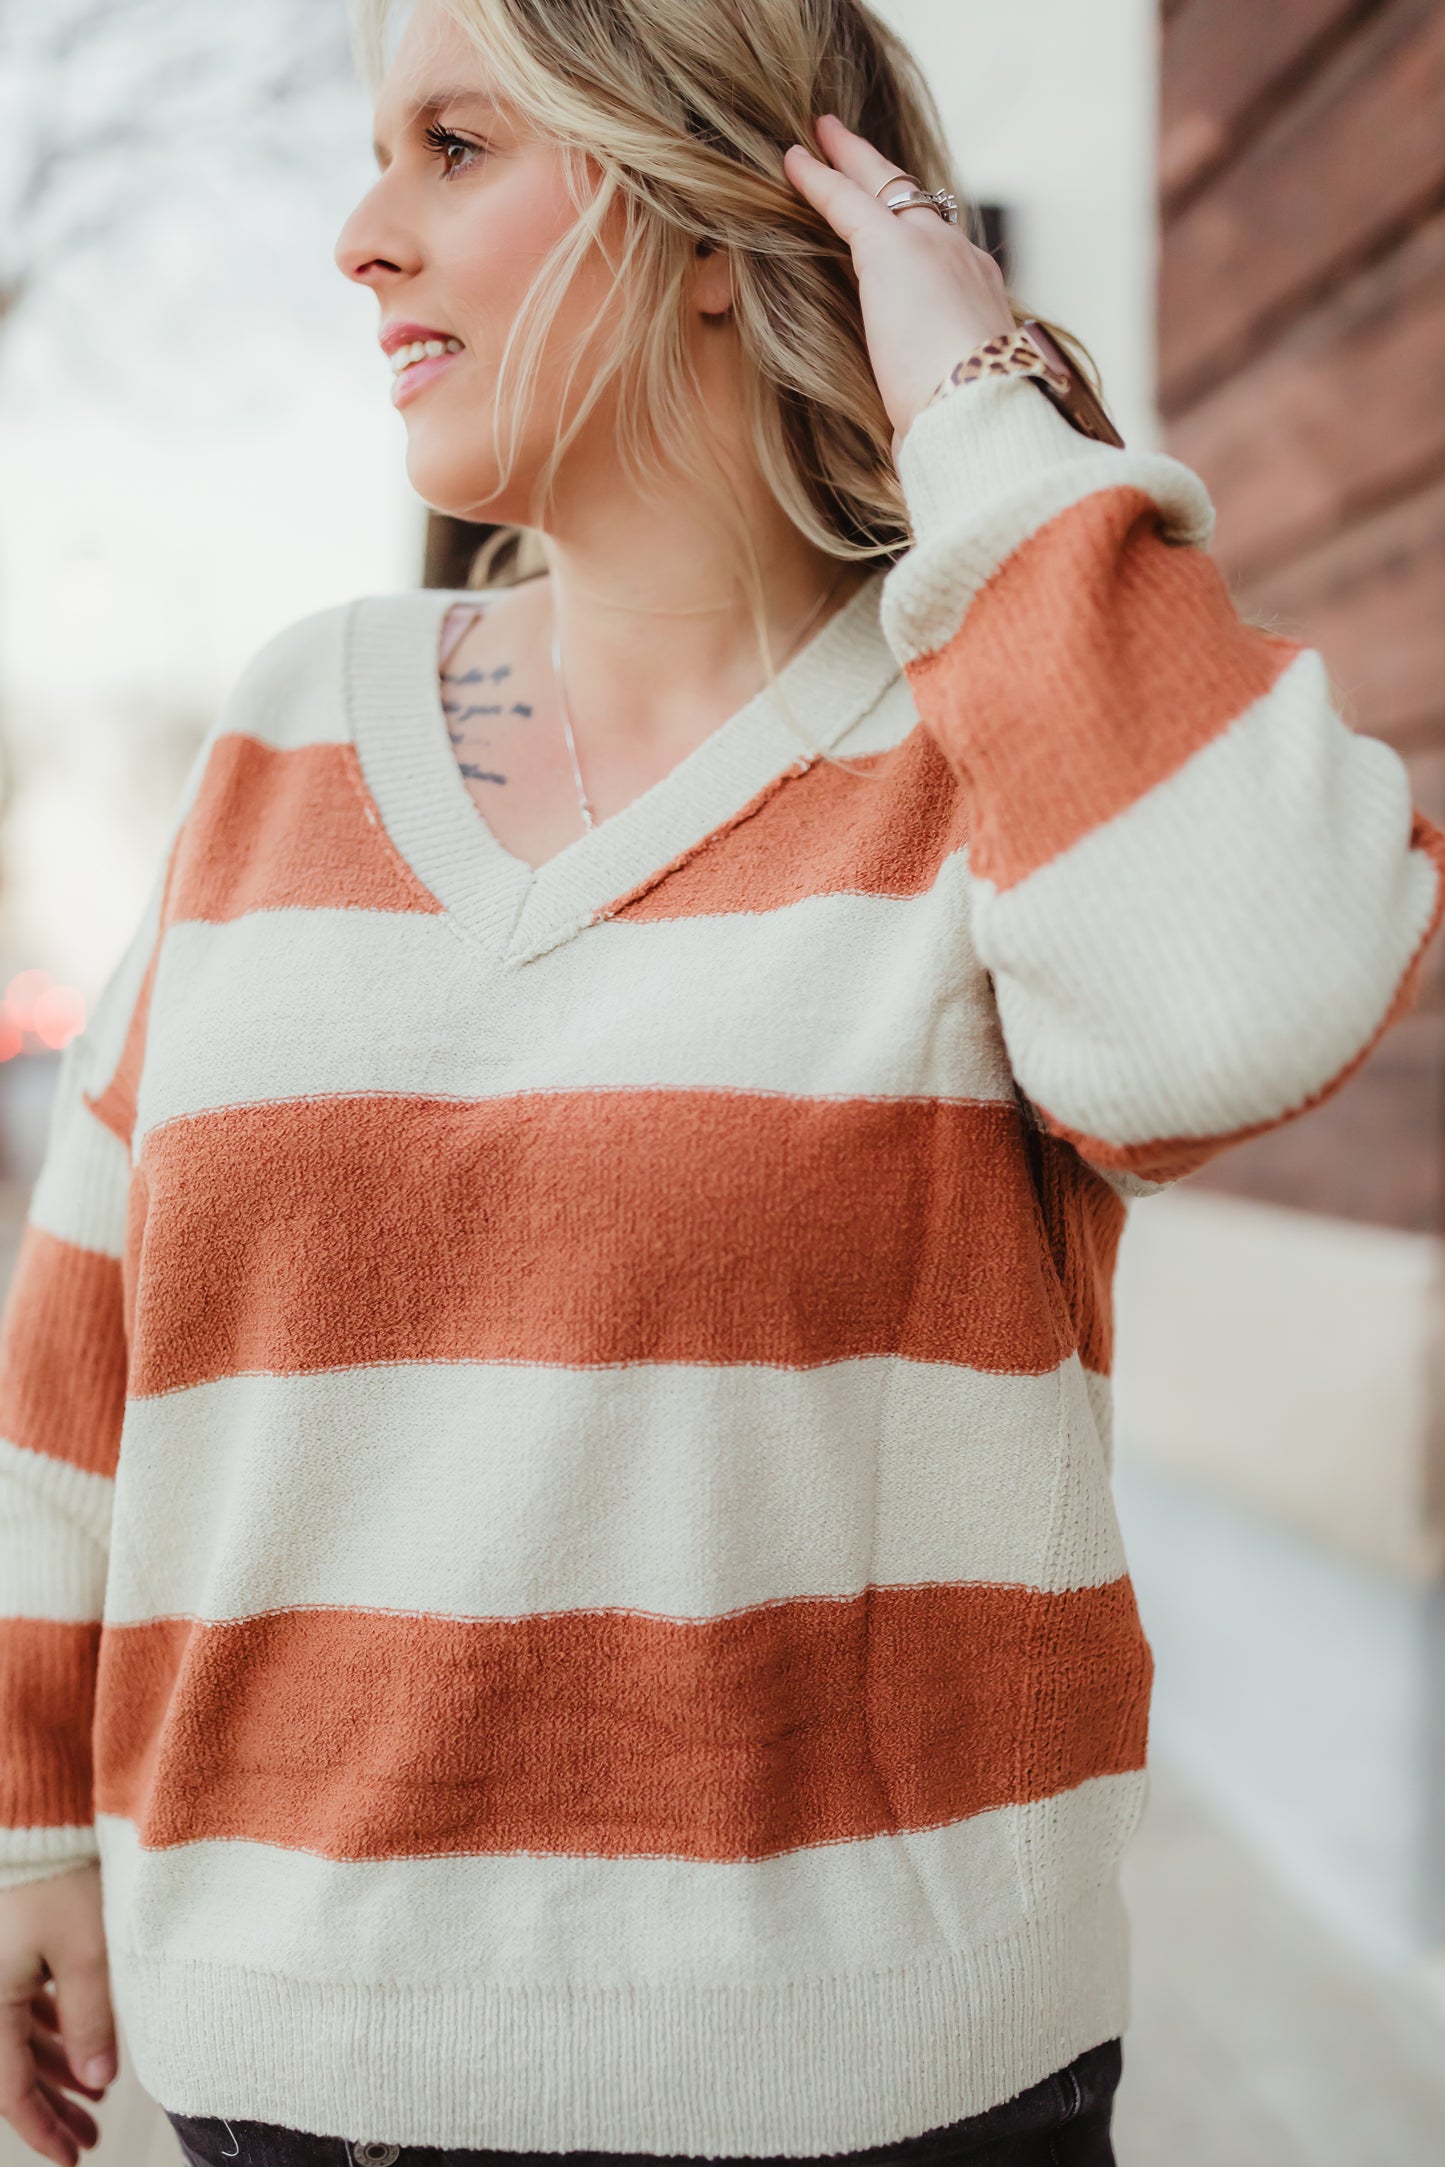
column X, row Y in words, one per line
column 1061, row 2122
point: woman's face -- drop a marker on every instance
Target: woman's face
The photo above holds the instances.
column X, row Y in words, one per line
column 469, row 203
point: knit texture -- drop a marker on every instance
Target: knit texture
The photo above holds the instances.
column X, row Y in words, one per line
column 554, row 1427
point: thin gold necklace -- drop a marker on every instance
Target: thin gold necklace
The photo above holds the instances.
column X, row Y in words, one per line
column 588, row 820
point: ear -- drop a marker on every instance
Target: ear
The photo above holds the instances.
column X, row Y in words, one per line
column 712, row 280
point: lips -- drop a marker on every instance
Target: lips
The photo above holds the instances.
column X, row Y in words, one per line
column 406, row 334
column 419, row 364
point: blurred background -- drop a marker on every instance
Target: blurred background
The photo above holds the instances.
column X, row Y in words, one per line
column 1240, row 206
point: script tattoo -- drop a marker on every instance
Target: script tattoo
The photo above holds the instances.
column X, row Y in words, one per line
column 460, row 712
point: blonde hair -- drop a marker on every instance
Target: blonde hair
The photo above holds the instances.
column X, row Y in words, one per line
column 687, row 109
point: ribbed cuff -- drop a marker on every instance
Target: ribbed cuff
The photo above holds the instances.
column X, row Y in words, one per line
column 34, row 1854
column 979, row 443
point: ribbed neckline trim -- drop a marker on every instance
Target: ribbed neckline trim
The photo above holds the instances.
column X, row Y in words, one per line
column 518, row 913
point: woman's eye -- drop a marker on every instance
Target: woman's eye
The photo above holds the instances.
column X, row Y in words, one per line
column 443, row 142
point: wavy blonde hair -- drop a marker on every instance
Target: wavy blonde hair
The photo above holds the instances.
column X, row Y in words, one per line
column 687, row 107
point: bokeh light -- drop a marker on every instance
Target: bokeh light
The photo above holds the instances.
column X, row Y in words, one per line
column 39, row 1014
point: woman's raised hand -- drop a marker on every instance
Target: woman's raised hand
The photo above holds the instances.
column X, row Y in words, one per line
column 929, row 297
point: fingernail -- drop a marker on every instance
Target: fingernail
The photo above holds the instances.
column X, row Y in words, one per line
column 99, row 2069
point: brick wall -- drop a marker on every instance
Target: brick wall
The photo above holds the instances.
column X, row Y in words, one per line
column 1302, row 373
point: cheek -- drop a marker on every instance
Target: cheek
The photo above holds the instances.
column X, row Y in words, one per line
column 497, row 255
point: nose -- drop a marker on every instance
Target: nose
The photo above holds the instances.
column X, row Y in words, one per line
column 373, row 245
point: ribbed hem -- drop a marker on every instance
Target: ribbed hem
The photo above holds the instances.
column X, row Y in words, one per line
column 804, row 2067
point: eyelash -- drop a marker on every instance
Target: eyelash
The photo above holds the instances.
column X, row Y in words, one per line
column 441, row 139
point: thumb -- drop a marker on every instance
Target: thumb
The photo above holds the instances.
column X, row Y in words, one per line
column 83, row 2007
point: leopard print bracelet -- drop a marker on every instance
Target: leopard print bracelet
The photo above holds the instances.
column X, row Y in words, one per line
column 1011, row 353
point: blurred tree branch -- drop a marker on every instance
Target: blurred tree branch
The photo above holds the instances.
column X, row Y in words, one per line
column 112, row 104
column 146, row 148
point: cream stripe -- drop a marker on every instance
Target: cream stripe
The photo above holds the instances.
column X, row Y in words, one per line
column 836, row 996
column 685, row 1490
column 54, row 1525
column 100, row 1048
column 1131, row 1186
column 893, row 719
column 1224, row 947
column 80, row 1195
column 563, row 1921
column 290, row 692
column 1101, row 1399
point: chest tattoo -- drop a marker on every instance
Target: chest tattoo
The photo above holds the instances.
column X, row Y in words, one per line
column 467, row 715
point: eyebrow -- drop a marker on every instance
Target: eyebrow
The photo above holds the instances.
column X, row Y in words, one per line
column 428, row 106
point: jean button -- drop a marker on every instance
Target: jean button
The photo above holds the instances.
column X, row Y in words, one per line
column 376, row 2155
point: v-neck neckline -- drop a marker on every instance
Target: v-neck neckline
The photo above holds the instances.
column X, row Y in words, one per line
column 517, row 911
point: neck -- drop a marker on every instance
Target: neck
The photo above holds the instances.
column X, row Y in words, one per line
column 653, row 612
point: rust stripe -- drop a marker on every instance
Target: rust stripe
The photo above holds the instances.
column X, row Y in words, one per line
column 63, row 1352
column 1093, row 664
column 1083, row 1220
column 883, row 825
column 369, row 1734
column 587, row 1228
column 1171, row 1158
column 47, row 1679
column 273, row 829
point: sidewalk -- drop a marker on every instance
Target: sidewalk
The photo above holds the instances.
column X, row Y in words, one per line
column 1259, row 2040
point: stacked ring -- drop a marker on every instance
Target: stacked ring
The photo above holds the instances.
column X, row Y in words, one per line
column 915, row 197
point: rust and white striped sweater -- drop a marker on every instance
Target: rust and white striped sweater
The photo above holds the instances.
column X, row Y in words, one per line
column 555, row 1524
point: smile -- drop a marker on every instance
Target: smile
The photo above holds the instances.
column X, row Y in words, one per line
column 415, row 365
column 422, row 350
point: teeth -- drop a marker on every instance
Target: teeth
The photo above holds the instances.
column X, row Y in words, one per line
column 422, row 350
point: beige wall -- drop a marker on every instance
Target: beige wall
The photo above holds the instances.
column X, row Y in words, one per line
column 1051, row 109
column 1291, row 1361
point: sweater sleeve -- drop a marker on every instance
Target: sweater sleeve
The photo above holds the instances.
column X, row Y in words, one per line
column 62, row 1397
column 64, row 1345
column 1201, row 896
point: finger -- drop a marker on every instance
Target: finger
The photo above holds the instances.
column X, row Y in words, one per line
column 25, row 2102
column 69, row 2113
column 849, row 209
column 55, row 2069
column 82, row 1998
column 855, row 156
column 860, row 161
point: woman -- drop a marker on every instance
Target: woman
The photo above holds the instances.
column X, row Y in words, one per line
column 565, row 1326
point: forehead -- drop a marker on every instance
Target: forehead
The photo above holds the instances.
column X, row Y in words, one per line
column 434, row 63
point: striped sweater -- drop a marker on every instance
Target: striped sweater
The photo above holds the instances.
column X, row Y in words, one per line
column 554, row 1426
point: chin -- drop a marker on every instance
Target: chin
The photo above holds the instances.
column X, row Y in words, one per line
column 461, row 488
